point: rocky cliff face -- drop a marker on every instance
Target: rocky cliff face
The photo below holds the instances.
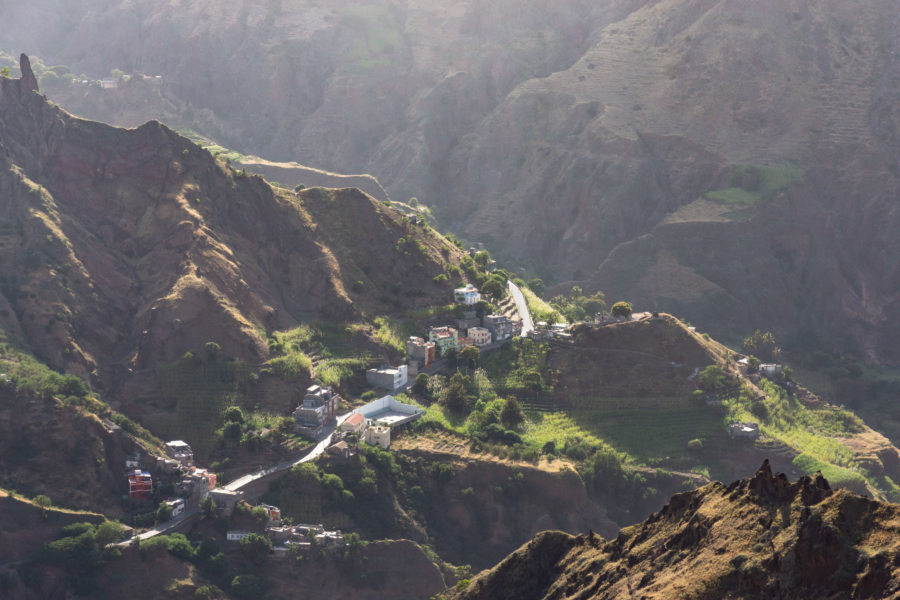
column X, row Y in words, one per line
column 756, row 538
column 121, row 249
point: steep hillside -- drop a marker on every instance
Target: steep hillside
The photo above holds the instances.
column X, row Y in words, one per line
column 120, row 250
column 662, row 394
column 676, row 153
column 756, row 538
column 59, row 440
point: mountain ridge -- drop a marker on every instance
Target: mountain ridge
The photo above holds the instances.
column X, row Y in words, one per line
column 755, row 537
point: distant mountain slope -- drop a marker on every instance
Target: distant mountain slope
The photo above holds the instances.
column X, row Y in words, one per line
column 579, row 138
column 756, row 538
column 121, row 249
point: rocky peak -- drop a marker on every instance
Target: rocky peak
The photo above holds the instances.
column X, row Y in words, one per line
column 28, row 82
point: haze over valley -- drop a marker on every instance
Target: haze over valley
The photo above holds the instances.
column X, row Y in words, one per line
column 360, row 297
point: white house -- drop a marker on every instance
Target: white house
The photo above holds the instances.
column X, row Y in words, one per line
column 379, row 435
column 388, row 378
column 236, row 536
column 467, row 295
column 180, row 451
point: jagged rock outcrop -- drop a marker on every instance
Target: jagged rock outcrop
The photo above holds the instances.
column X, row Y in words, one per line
column 762, row 537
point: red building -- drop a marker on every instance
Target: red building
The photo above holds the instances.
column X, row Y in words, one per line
column 140, row 484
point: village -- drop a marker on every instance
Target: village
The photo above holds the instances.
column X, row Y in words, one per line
column 189, row 487
column 183, row 487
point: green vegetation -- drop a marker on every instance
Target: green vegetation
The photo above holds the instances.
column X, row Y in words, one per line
column 813, row 432
column 82, row 548
column 762, row 345
column 621, row 309
column 540, row 310
column 215, row 149
column 201, row 389
column 27, row 376
column 747, row 185
column 578, row 307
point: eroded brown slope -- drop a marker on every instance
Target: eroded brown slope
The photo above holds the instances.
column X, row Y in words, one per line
column 756, row 538
column 121, row 249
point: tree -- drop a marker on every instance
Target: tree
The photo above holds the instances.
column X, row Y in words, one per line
column 414, row 202
column 208, row 507
column 762, row 345
column 594, row 304
column 470, row 356
column 232, row 431
column 234, row 414
column 511, row 415
column 715, row 379
column 256, row 548
column 421, row 384
column 163, row 513
column 622, row 309
column 451, row 354
column 109, row 532
column 494, row 288
column 43, row 502
column 482, row 259
column 6, row 72
column 537, row 286
column 455, row 396
column 212, row 350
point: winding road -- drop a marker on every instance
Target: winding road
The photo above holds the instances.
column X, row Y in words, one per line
column 522, row 307
column 239, row 483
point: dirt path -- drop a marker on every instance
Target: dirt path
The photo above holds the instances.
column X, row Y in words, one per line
column 458, row 448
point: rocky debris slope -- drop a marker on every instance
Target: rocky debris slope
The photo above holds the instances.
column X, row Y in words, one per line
column 762, row 537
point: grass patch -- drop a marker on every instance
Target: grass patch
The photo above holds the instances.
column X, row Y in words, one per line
column 428, row 312
column 655, row 435
column 540, row 310
column 392, row 333
column 213, row 148
column 556, row 427
column 734, row 196
column 334, row 371
column 837, row 476
column 291, row 366
column 748, row 185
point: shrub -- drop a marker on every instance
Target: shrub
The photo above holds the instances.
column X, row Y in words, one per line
column 233, row 414
column 232, row 431
column 256, row 548
column 621, row 309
